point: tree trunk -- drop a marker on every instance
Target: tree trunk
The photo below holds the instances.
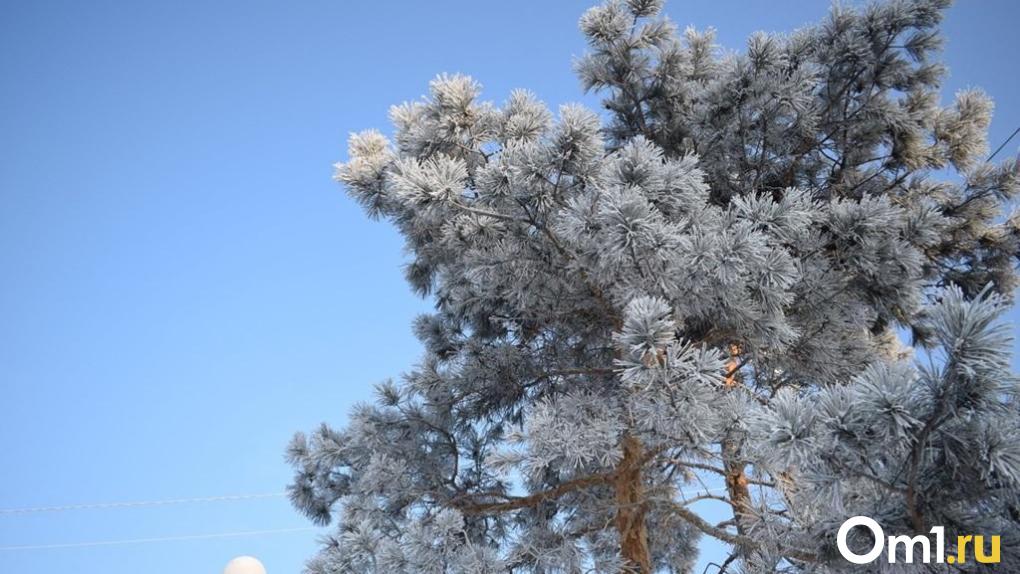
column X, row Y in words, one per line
column 630, row 508
column 736, row 484
column 736, row 480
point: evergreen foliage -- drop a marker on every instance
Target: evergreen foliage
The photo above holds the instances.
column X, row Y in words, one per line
column 705, row 284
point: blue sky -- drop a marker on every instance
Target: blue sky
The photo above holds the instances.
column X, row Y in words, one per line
column 183, row 286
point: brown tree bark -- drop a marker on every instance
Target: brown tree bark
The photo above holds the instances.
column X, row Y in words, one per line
column 630, row 508
column 737, row 485
column 736, row 479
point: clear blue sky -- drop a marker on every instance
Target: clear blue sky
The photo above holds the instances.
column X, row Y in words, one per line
column 183, row 286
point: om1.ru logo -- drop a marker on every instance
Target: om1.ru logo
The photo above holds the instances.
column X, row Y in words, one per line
column 911, row 543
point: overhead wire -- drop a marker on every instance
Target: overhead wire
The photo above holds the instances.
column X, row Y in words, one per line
column 157, row 539
column 165, row 502
column 998, row 149
column 139, row 503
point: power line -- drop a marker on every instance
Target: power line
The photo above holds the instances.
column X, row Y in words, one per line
column 157, row 503
column 160, row 539
column 188, row 537
column 140, row 503
column 998, row 149
column 163, row 502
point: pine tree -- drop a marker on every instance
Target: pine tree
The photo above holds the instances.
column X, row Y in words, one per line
column 709, row 282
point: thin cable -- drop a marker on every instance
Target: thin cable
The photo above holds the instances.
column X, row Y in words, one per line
column 173, row 538
column 713, row 489
column 690, row 492
column 161, row 539
column 140, row 503
column 166, row 502
column 998, row 149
